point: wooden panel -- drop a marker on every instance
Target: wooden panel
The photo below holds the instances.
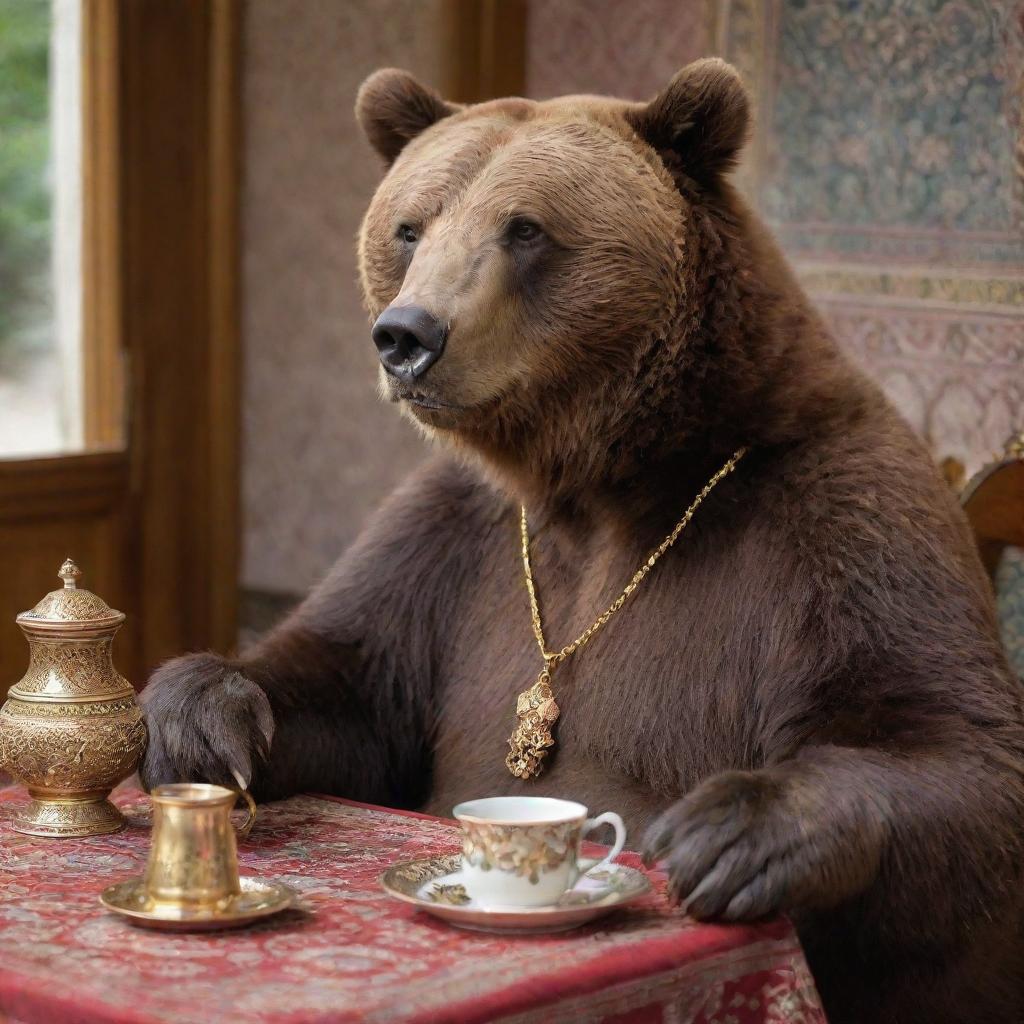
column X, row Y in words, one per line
column 179, row 137
column 994, row 503
column 485, row 49
column 103, row 355
column 65, row 488
column 224, row 351
column 50, row 509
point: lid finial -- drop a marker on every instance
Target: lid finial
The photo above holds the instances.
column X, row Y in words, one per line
column 69, row 573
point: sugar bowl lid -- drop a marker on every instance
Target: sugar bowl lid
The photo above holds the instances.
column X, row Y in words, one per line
column 71, row 610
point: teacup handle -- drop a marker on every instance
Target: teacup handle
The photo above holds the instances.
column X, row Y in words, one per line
column 245, row 828
column 587, row 864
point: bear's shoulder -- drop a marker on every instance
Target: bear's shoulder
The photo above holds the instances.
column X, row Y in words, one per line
column 437, row 517
column 425, row 538
column 448, row 490
column 873, row 483
column 880, row 540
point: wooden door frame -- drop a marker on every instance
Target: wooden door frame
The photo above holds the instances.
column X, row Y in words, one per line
column 180, row 147
column 161, row 325
column 484, row 43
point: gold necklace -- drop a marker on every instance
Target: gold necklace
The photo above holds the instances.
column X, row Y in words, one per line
column 536, row 708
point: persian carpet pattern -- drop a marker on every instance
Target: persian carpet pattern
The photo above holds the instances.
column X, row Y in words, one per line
column 349, row 953
column 888, row 159
column 887, row 114
column 887, row 156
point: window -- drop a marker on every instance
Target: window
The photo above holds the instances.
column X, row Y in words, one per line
column 40, row 227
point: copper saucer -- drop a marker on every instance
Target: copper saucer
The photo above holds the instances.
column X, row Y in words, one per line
column 257, row 899
column 435, row 885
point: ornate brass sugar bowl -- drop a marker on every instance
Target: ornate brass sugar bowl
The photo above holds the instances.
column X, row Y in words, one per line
column 70, row 730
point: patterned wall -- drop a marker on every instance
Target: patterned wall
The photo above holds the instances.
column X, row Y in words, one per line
column 588, row 46
column 886, row 157
column 319, row 450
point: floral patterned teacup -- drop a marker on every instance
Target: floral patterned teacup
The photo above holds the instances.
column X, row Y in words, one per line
column 523, row 851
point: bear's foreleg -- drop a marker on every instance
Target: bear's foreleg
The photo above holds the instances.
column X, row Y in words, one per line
column 840, row 822
column 338, row 697
column 301, row 712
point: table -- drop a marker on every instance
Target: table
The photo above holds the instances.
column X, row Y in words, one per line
column 349, row 953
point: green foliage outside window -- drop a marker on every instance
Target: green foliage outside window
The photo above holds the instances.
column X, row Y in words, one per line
column 24, row 172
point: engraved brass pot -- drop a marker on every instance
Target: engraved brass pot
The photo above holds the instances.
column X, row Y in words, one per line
column 71, row 729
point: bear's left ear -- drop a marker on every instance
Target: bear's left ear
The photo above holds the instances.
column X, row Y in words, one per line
column 393, row 108
column 703, row 115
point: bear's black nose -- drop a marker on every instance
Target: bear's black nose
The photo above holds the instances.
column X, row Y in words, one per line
column 409, row 340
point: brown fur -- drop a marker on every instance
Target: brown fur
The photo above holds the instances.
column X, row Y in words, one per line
column 806, row 702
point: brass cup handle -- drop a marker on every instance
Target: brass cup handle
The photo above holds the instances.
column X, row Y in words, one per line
column 245, row 828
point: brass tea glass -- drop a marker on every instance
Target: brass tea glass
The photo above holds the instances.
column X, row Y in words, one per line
column 193, row 862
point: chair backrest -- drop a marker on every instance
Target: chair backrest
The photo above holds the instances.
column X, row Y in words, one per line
column 994, row 502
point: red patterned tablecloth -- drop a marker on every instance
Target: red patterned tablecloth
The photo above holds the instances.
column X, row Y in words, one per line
column 351, row 954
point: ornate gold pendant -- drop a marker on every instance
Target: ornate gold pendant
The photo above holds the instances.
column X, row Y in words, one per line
column 529, row 744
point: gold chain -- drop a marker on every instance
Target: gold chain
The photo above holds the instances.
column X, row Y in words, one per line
column 552, row 658
column 536, row 709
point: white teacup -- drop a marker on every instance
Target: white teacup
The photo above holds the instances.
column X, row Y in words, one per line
column 523, row 851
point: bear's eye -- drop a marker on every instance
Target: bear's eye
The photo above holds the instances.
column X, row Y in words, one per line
column 525, row 231
column 407, row 234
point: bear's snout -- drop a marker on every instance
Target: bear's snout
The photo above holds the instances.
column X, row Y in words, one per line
column 409, row 341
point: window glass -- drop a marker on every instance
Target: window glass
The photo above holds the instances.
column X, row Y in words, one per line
column 40, row 227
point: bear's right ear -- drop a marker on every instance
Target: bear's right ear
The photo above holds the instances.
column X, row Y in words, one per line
column 393, row 108
column 702, row 115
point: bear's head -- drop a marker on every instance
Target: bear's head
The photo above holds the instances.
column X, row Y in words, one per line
column 550, row 280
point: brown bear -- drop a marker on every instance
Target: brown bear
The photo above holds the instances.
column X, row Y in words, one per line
column 804, row 703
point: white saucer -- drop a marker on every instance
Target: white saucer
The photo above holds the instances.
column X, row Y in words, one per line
column 436, row 886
